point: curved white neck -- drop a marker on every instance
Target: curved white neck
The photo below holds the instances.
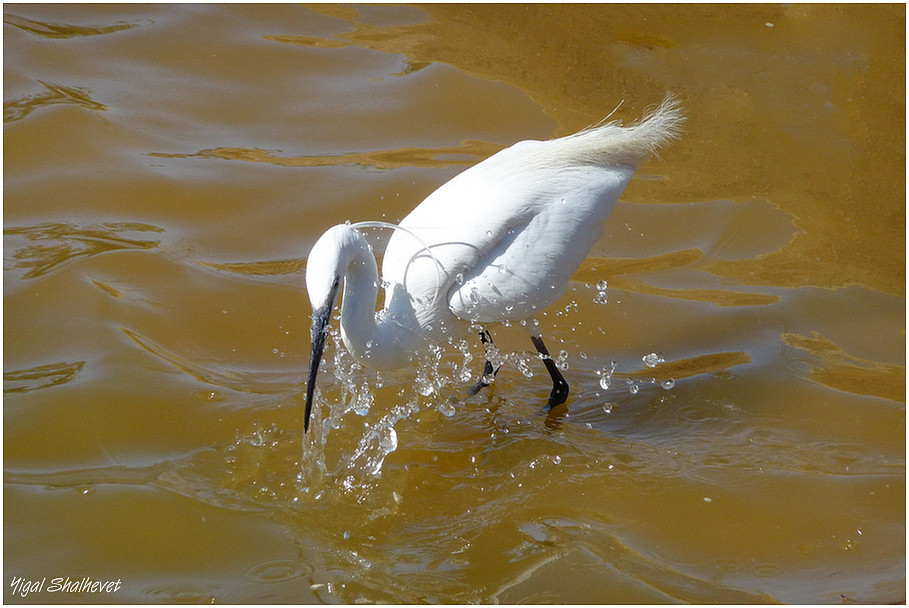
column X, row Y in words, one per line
column 386, row 343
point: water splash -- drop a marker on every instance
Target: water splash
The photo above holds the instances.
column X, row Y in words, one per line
column 345, row 415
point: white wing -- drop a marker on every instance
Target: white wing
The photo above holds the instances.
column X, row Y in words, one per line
column 501, row 240
column 505, row 235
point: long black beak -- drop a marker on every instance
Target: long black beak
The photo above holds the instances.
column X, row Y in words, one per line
column 321, row 321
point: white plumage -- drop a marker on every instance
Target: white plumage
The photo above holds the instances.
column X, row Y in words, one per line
column 498, row 242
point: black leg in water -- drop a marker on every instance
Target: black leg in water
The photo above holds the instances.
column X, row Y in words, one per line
column 486, row 339
column 559, row 393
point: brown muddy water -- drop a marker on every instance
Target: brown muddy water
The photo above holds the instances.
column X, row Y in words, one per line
column 168, row 167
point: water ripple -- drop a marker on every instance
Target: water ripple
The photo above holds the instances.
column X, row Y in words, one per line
column 18, row 109
column 46, row 29
column 467, row 153
column 41, row 376
column 54, row 245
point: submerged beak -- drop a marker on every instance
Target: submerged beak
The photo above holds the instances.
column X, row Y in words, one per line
column 321, row 321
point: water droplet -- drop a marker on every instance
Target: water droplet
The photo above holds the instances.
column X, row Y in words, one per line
column 601, row 298
column 668, row 384
column 653, row 359
column 562, row 361
column 607, row 408
column 446, row 409
column 459, row 278
column 388, row 440
column 364, row 401
column 424, row 386
column 502, row 269
column 604, row 382
column 556, row 459
column 524, row 367
column 489, row 234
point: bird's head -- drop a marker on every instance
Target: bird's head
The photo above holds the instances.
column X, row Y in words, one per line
column 326, row 267
column 324, row 270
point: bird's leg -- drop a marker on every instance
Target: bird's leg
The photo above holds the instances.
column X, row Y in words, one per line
column 486, row 339
column 559, row 393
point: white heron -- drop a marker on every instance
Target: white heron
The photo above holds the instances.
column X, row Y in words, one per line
column 498, row 242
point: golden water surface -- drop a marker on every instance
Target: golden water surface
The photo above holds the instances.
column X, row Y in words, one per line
column 167, row 169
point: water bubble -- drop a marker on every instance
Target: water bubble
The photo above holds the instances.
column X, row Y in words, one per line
column 474, row 295
column 459, row 278
column 502, row 269
column 601, row 286
column 653, row 359
column 604, row 382
column 489, row 234
column 668, row 384
column 607, row 408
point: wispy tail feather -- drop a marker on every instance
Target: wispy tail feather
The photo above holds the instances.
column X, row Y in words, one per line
column 614, row 144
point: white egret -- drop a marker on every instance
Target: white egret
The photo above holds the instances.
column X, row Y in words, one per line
column 498, row 242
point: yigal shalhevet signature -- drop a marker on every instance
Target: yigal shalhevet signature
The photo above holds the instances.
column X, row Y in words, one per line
column 23, row 586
